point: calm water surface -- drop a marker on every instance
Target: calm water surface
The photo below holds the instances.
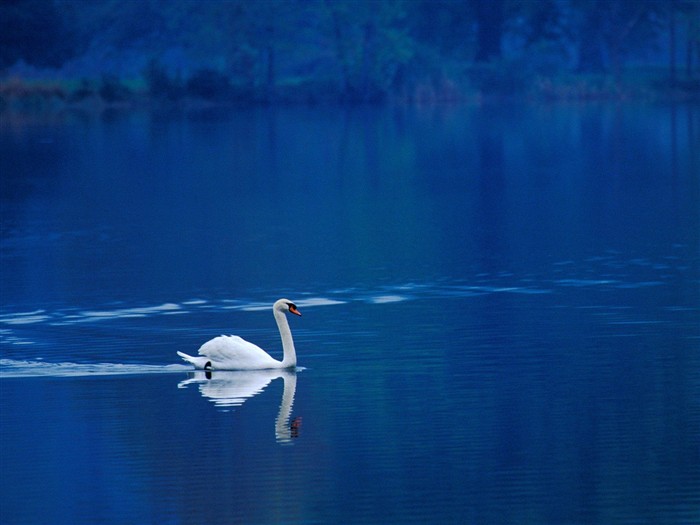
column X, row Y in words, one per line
column 501, row 316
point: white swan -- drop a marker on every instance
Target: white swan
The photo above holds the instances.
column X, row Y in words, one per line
column 230, row 352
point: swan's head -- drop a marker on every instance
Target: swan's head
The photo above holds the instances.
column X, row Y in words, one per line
column 285, row 305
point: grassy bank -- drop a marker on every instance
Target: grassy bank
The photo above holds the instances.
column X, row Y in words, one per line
column 209, row 89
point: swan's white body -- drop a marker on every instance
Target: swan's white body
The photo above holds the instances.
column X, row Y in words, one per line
column 230, row 352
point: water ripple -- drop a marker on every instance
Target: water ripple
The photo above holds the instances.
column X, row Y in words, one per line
column 36, row 316
column 563, row 278
column 25, row 368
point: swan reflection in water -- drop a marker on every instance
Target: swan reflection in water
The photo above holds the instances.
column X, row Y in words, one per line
column 232, row 388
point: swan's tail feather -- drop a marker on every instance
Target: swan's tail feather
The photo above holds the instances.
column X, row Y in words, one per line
column 186, row 357
column 198, row 362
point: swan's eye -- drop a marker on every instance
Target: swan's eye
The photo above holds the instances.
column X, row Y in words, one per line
column 293, row 309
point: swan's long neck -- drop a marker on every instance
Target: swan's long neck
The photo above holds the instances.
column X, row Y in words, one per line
column 290, row 355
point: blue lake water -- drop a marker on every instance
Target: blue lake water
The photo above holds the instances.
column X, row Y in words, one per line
column 501, row 315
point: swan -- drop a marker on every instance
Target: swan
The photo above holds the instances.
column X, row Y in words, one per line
column 230, row 352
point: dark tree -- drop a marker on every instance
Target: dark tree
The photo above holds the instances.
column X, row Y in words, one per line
column 684, row 19
column 443, row 27
column 490, row 18
column 613, row 30
column 34, row 31
column 542, row 20
column 591, row 44
column 692, row 38
column 371, row 43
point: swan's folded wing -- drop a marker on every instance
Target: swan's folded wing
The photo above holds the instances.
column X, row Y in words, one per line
column 226, row 346
column 233, row 352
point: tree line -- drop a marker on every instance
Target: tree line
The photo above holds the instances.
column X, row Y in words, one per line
column 359, row 50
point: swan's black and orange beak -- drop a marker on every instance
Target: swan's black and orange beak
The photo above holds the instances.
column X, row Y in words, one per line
column 293, row 309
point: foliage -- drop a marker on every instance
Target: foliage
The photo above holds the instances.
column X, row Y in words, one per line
column 16, row 93
column 371, row 43
column 113, row 90
column 160, row 83
column 352, row 50
column 83, row 93
column 36, row 32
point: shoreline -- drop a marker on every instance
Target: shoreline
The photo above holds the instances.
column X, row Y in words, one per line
column 97, row 95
